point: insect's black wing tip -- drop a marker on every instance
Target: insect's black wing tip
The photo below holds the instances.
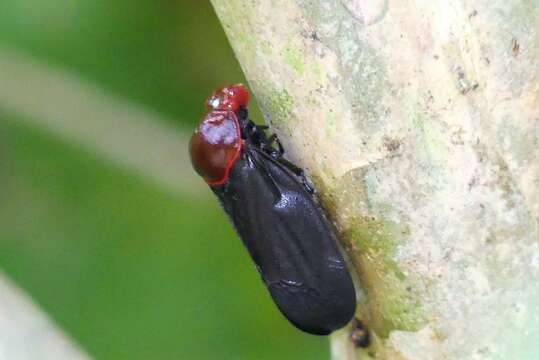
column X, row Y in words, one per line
column 315, row 331
column 309, row 312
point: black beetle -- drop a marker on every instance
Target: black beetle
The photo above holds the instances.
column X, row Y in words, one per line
column 273, row 210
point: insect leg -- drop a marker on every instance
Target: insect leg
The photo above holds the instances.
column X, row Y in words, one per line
column 298, row 172
column 276, row 153
column 256, row 133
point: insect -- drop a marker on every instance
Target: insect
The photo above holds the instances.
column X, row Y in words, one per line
column 274, row 211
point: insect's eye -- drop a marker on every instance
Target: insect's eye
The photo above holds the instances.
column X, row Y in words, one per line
column 214, row 102
column 230, row 97
column 215, row 146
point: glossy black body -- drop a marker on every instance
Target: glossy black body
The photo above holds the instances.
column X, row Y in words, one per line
column 288, row 237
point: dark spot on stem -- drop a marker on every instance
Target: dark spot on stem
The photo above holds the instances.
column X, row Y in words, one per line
column 515, row 47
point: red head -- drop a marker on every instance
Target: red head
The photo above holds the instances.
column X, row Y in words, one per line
column 230, row 97
column 215, row 146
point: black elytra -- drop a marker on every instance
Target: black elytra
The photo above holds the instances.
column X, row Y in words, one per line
column 284, row 229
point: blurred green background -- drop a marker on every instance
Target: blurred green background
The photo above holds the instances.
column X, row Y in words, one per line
column 128, row 268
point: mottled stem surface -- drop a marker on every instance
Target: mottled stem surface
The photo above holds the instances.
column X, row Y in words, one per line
column 418, row 122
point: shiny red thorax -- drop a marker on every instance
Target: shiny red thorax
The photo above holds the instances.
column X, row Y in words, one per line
column 215, row 146
column 230, row 97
